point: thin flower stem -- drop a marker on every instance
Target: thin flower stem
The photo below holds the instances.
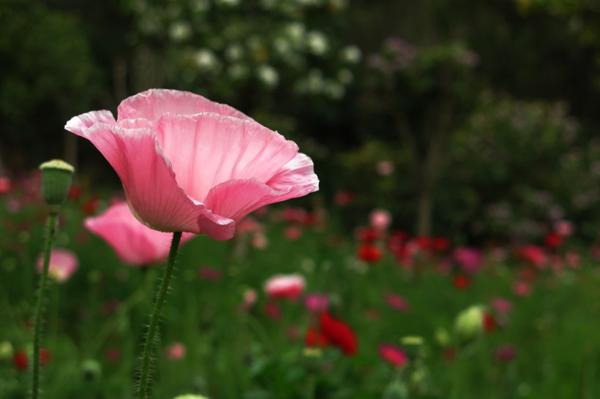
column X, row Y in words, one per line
column 144, row 389
column 39, row 306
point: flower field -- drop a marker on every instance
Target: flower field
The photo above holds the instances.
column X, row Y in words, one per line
column 367, row 312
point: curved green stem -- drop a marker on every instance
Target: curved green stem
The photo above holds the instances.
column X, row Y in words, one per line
column 144, row 389
column 39, row 306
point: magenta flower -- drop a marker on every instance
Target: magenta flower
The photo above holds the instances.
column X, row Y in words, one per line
column 469, row 259
column 63, row 263
column 285, row 286
column 133, row 242
column 397, row 302
column 501, row 306
column 316, row 303
column 393, row 355
column 192, row 165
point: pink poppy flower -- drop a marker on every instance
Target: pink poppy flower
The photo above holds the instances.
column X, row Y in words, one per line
column 316, row 303
column 5, row 185
column 293, row 233
column 285, row 286
column 259, row 241
column 393, row 355
column 397, row 302
column 63, row 264
column 469, row 259
column 385, row 168
column 209, row 274
column 176, row 351
column 521, row 288
column 133, row 242
column 501, row 306
column 193, row 165
column 380, row 219
column 249, row 299
column 505, row 353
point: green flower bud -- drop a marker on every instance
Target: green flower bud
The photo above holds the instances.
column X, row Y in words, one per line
column 92, row 371
column 6, row 350
column 57, row 176
column 469, row 323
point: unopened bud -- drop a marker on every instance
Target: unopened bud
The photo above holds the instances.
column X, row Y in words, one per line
column 469, row 323
column 57, row 176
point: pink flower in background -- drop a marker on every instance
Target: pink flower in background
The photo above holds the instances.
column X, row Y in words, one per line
column 193, row 165
column 176, row 351
column 288, row 286
column 469, row 259
column 501, row 306
column 259, row 241
column 380, row 219
column 133, row 242
column 533, row 255
column 573, row 259
column 397, row 302
column 209, row 274
column 393, row 355
column 63, row 263
column 505, row 353
column 316, row 303
column 521, row 288
column 343, row 198
column 5, row 185
column 249, row 299
column 385, row 168
column 249, row 226
column 272, row 311
column 564, row 228
column 293, row 233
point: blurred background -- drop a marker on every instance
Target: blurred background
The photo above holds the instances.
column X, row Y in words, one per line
column 454, row 241
column 482, row 117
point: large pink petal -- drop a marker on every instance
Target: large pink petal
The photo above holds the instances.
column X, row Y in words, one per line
column 298, row 174
column 237, row 198
column 208, row 149
column 150, row 184
column 154, row 103
column 80, row 123
column 133, row 242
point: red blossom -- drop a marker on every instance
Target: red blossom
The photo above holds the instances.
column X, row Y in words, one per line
column 369, row 253
column 314, row 338
column 20, row 360
column 461, row 282
column 489, row 323
column 553, row 240
column 338, row 333
column 440, row 244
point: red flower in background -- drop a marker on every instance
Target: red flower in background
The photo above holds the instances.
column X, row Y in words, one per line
column 314, row 338
column 461, row 282
column 75, row 192
column 338, row 333
column 440, row 244
column 553, row 240
column 533, row 255
column 489, row 323
column 368, row 235
column 369, row 253
column 20, row 360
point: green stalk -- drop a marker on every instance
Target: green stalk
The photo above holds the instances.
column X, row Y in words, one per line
column 144, row 389
column 39, row 306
